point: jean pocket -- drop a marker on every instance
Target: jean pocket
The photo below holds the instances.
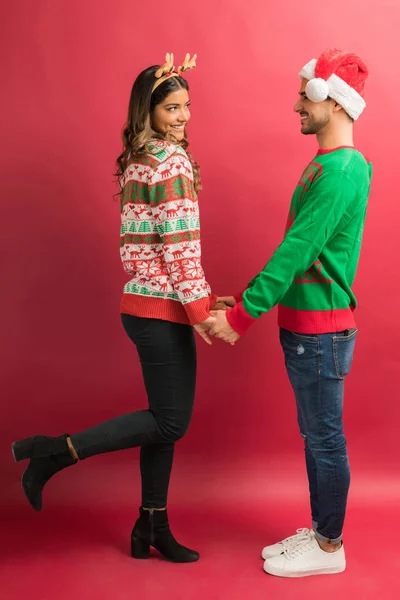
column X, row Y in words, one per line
column 343, row 350
column 301, row 352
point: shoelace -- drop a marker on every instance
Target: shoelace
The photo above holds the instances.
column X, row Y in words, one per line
column 294, row 539
column 300, row 546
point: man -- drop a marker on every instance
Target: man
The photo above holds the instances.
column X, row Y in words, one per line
column 310, row 276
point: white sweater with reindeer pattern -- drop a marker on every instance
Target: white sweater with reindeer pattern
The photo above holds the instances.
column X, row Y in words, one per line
column 160, row 238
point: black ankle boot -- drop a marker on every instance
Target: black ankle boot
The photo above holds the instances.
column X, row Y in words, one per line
column 48, row 455
column 152, row 529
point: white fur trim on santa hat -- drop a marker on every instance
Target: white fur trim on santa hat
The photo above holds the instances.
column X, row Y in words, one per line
column 339, row 90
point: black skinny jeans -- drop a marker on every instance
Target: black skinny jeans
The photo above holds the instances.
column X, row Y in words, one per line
column 167, row 353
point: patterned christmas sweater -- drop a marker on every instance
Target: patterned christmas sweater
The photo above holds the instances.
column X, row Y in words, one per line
column 160, row 238
column 311, row 273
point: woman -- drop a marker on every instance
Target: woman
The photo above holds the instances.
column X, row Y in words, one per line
column 166, row 297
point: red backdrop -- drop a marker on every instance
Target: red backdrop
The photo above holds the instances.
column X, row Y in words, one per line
column 66, row 362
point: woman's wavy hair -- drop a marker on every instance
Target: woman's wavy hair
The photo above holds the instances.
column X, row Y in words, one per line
column 138, row 131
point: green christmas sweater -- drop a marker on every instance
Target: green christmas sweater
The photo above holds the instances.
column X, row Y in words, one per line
column 311, row 273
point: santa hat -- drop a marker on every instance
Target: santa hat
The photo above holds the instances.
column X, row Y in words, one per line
column 339, row 75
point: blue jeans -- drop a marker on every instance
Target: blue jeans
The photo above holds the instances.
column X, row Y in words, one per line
column 317, row 366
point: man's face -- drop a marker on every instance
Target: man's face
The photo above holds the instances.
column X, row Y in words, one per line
column 314, row 116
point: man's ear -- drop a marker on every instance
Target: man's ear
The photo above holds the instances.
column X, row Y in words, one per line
column 336, row 107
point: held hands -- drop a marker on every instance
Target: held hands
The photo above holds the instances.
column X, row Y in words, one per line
column 217, row 324
column 221, row 328
column 227, row 301
column 224, row 303
column 203, row 328
column 219, row 305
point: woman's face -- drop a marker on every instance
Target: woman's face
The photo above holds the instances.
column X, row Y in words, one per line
column 172, row 114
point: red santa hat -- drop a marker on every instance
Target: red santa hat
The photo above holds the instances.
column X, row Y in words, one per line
column 339, row 75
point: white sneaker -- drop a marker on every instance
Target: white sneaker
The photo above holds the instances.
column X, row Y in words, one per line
column 276, row 549
column 305, row 558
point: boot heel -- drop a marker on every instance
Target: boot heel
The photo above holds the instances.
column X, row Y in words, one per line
column 139, row 549
column 23, row 449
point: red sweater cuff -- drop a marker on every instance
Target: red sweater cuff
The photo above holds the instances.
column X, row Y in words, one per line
column 239, row 319
column 213, row 300
column 239, row 297
column 198, row 310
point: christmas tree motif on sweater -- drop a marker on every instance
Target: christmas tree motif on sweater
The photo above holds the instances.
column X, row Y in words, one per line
column 314, row 275
column 312, row 172
column 310, row 175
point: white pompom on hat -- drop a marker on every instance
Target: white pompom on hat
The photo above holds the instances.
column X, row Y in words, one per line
column 338, row 75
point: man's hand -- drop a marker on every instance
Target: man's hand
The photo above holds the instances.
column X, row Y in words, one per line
column 228, row 300
column 203, row 328
column 220, row 305
column 221, row 328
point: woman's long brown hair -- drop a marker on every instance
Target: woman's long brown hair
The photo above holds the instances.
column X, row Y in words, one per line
column 138, row 131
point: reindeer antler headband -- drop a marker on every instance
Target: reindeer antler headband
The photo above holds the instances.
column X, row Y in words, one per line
column 168, row 70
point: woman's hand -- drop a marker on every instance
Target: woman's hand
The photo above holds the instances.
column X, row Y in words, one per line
column 203, row 328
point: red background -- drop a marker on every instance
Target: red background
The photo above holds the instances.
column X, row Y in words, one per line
column 66, row 362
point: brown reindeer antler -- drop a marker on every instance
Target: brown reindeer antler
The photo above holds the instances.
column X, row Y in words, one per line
column 168, row 69
column 188, row 63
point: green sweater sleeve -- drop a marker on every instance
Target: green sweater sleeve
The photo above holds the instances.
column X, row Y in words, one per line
column 329, row 199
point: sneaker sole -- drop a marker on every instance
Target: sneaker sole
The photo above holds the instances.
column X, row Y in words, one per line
column 322, row 571
column 266, row 556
